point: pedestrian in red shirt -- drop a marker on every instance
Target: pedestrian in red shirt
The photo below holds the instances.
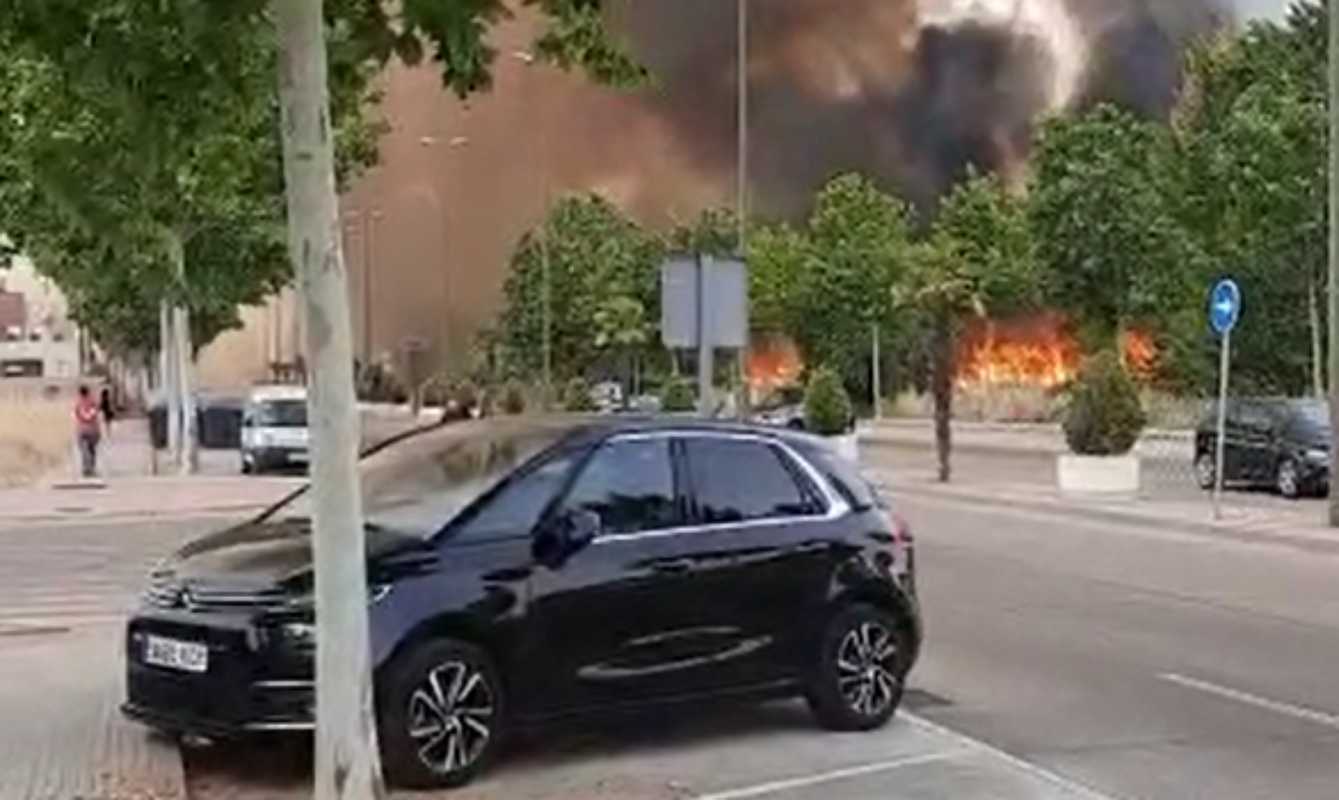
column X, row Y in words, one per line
column 88, row 427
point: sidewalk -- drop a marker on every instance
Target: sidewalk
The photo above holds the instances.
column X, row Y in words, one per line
column 1300, row 525
column 127, row 489
column 993, row 437
column 63, row 737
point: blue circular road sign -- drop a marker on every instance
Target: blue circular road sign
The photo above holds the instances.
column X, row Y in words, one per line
column 1225, row 306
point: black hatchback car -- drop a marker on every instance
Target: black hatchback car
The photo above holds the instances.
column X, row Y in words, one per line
column 526, row 570
column 1280, row 444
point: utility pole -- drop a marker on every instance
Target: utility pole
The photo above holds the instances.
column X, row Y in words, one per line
column 742, row 179
column 876, row 376
column 1333, row 15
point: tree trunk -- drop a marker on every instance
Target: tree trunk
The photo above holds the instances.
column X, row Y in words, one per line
column 941, row 383
column 347, row 762
column 187, row 453
column 1317, row 354
column 167, row 379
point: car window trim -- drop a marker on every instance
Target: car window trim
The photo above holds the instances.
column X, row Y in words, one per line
column 837, row 507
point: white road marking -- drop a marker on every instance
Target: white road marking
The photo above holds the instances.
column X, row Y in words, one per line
column 773, row 787
column 1318, row 717
column 1067, row 785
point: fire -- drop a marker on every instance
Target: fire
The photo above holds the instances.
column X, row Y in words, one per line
column 1035, row 351
column 1039, row 350
column 773, row 361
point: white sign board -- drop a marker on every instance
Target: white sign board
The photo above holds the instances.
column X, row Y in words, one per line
column 724, row 301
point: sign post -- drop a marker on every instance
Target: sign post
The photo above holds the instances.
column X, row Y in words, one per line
column 1224, row 312
column 704, row 305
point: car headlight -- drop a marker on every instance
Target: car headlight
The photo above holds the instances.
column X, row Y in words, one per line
column 307, row 600
column 1321, row 456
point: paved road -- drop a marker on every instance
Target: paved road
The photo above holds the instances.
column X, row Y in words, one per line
column 67, row 575
column 1142, row 663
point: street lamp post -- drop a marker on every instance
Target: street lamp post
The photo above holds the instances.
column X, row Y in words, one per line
column 1334, row 255
column 529, row 59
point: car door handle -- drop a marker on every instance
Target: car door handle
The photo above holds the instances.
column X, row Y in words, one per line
column 675, row 566
column 810, row 547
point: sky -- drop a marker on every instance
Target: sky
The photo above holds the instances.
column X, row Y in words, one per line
column 1261, row 8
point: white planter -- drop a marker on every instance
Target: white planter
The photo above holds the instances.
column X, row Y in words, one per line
column 1099, row 475
column 846, row 445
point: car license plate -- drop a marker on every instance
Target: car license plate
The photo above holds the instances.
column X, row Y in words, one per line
column 298, row 457
column 173, row 654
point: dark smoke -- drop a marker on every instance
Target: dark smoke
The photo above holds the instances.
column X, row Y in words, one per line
column 922, row 104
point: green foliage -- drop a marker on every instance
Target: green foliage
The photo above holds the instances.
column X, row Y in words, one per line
column 620, row 324
column 576, row 396
column 596, row 254
column 1103, row 211
column 827, row 406
column 678, row 397
column 837, row 280
column 715, row 232
column 1104, row 416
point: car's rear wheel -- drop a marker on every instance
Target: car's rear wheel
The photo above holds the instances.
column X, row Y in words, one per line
column 1288, row 480
column 442, row 712
column 1205, row 470
column 857, row 685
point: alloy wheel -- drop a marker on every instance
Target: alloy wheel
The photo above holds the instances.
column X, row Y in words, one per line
column 867, row 669
column 1287, row 479
column 1204, row 470
column 451, row 717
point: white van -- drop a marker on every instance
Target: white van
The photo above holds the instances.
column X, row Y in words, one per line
column 274, row 429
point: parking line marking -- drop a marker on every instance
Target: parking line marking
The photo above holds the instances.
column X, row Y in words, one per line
column 773, row 787
column 1037, row 771
column 1316, row 716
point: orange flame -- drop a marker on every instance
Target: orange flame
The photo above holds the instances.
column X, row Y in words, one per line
column 1034, row 351
column 773, row 361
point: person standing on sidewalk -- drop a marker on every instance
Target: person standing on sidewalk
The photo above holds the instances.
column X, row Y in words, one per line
column 108, row 409
column 88, row 428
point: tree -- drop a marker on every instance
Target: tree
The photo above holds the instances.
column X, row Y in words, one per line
column 346, row 759
column 621, row 328
column 1252, row 140
column 837, row 284
column 596, row 253
column 978, row 259
column 1106, row 226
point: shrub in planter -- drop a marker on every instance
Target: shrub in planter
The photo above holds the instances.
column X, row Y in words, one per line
column 1104, row 416
column 678, row 397
column 576, row 396
column 827, row 407
column 513, row 398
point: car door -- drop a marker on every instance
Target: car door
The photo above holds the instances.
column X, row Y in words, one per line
column 1254, row 435
column 765, row 547
column 604, row 622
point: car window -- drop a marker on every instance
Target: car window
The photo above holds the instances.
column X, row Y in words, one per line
column 736, row 480
column 845, row 478
column 514, row 509
column 630, row 484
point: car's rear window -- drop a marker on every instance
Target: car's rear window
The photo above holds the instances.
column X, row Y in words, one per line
column 845, row 479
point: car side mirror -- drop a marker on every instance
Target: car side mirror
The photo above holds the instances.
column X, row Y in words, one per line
column 564, row 536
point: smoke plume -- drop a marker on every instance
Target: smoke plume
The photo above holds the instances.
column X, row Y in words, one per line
column 911, row 92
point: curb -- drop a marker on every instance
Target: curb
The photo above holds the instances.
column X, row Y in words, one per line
column 93, row 516
column 1206, row 528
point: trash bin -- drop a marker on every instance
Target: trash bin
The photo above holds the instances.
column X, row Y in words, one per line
column 220, row 422
column 158, row 426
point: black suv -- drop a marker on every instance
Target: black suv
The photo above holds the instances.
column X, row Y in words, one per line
column 523, row 570
column 1283, row 444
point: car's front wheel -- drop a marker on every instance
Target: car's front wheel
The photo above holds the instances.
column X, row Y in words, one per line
column 441, row 710
column 1205, row 470
column 857, row 685
column 1288, row 480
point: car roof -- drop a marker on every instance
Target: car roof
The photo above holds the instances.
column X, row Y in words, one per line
column 260, row 394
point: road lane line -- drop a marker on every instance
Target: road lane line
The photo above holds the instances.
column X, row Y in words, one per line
column 772, row 787
column 1067, row 785
column 1316, row 716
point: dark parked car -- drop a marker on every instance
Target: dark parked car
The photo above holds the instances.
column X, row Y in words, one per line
column 526, row 570
column 1283, row 444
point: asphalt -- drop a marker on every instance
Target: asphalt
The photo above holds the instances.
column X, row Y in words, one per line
column 1144, row 663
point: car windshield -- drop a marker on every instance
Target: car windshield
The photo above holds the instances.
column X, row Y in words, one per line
column 788, row 396
column 282, row 414
column 1312, row 418
column 417, row 485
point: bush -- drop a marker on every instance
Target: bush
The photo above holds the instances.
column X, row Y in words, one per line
column 678, row 397
column 827, row 406
column 1104, row 417
column 513, row 398
column 576, row 396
